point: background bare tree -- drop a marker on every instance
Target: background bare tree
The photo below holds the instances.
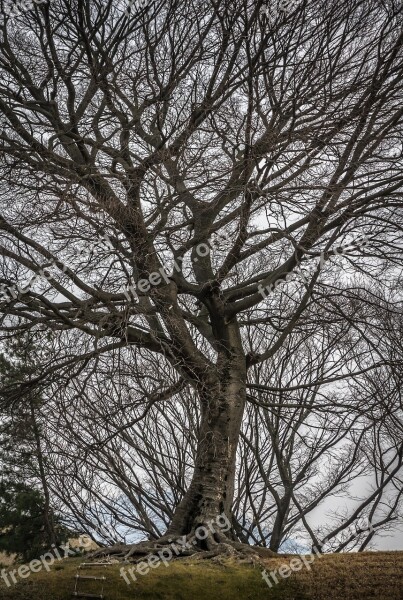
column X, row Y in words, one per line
column 278, row 143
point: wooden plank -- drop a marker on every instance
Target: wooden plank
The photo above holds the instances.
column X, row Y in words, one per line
column 83, row 595
column 91, row 577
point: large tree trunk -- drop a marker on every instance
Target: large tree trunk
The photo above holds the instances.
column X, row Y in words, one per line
column 211, row 490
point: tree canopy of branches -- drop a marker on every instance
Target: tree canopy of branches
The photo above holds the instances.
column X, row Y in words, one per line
column 203, row 206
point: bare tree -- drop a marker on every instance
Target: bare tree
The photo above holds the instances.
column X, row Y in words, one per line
column 303, row 444
column 219, row 153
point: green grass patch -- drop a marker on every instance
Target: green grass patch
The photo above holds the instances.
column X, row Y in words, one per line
column 181, row 580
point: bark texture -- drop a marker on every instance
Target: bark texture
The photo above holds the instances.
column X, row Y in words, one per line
column 211, row 490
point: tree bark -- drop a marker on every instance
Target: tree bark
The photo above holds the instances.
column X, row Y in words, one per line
column 211, row 490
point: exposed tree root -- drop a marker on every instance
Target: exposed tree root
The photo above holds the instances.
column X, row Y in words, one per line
column 215, row 546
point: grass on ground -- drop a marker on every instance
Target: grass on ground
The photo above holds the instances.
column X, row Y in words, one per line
column 365, row 576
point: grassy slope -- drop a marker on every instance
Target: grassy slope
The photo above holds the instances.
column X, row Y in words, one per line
column 333, row 577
